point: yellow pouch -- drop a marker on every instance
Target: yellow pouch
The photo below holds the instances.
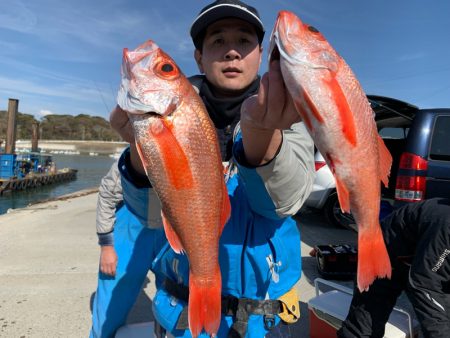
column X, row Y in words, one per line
column 291, row 306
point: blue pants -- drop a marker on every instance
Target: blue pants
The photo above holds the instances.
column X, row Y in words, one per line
column 136, row 247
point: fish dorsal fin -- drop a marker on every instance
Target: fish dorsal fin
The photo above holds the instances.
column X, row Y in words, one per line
column 172, row 236
column 385, row 160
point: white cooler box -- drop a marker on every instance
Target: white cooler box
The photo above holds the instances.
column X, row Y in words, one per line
column 328, row 310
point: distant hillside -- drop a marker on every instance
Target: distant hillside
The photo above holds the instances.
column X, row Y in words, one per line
column 62, row 127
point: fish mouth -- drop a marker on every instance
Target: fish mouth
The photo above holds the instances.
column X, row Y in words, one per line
column 153, row 114
column 149, row 115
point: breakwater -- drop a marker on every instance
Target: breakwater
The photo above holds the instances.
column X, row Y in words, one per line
column 73, row 146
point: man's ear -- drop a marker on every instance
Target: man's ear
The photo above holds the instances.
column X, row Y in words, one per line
column 260, row 54
column 198, row 59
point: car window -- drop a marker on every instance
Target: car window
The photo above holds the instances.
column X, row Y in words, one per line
column 440, row 146
column 395, row 133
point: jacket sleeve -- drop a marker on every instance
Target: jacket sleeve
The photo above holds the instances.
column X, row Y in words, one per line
column 279, row 188
column 139, row 197
column 109, row 198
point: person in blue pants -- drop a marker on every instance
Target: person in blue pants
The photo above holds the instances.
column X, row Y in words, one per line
column 269, row 161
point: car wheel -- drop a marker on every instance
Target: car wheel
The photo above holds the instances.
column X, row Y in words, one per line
column 334, row 214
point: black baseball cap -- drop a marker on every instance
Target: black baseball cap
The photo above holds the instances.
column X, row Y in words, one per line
column 222, row 9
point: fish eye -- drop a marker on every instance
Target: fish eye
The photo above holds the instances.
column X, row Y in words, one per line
column 167, row 68
column 313, row 29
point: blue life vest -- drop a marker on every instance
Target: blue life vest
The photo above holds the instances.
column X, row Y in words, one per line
column 259, row 258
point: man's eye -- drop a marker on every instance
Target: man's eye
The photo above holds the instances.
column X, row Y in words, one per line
column 218, row 41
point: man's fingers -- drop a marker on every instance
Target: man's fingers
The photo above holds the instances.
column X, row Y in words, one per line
column 108, row 269
column 290, row 107
column 276, row 93
column 119, row 122
column 263, row 90
column 118, row 118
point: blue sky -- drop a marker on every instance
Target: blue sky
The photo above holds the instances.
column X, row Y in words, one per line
column 63, row 57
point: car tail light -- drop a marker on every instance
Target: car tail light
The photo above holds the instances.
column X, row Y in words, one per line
column 319, row 164
column 411, row 187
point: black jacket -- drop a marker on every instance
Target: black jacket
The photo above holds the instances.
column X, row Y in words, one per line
column 417, row 238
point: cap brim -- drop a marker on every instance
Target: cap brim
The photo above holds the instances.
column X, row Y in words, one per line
column 223, row 11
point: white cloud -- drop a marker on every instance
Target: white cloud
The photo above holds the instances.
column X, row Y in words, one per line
column 43, row 113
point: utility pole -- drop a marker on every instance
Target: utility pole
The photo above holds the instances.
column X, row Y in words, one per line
column 34, row 136
column 13, row 106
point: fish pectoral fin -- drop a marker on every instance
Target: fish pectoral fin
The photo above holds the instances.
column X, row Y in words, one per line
column 175, row 159
column 343, row 107
column 226, row 208
column 385, row 159
column 343, row 195
column 172, row 236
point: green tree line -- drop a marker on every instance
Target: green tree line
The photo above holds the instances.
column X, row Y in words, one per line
column 61, row 127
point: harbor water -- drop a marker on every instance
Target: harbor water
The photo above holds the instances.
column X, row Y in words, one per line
column 91, row 169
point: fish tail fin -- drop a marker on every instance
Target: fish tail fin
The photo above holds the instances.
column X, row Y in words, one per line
column 205, row 304
column 373, row 259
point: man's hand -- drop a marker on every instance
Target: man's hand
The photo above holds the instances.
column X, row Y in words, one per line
column 263, row 116
column 108, row 260
column 119, row 122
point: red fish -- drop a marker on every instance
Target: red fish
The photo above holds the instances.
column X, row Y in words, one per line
column 178, row 146
column 339, row 118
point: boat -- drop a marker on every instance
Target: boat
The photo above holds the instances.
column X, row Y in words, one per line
column 30, row 170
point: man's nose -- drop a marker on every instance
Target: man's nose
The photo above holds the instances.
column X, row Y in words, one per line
column 232, row 54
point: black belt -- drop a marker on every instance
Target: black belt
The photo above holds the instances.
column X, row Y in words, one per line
column 240, row 308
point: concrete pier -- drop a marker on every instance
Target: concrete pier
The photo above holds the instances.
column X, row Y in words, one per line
column 49, row 261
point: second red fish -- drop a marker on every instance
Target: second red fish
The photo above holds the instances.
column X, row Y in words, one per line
column 339, row 118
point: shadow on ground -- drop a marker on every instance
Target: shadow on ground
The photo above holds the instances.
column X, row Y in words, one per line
column 142, row 309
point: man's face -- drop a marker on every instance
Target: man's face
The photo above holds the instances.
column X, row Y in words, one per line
column 230, row 57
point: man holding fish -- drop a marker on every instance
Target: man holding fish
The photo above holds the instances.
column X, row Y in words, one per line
column 225, row 253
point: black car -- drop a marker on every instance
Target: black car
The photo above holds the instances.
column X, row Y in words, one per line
column 419, row 142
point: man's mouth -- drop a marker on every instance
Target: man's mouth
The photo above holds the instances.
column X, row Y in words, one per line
column 231, row 71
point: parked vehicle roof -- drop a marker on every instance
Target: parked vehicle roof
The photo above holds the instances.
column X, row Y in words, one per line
column 392, row 112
